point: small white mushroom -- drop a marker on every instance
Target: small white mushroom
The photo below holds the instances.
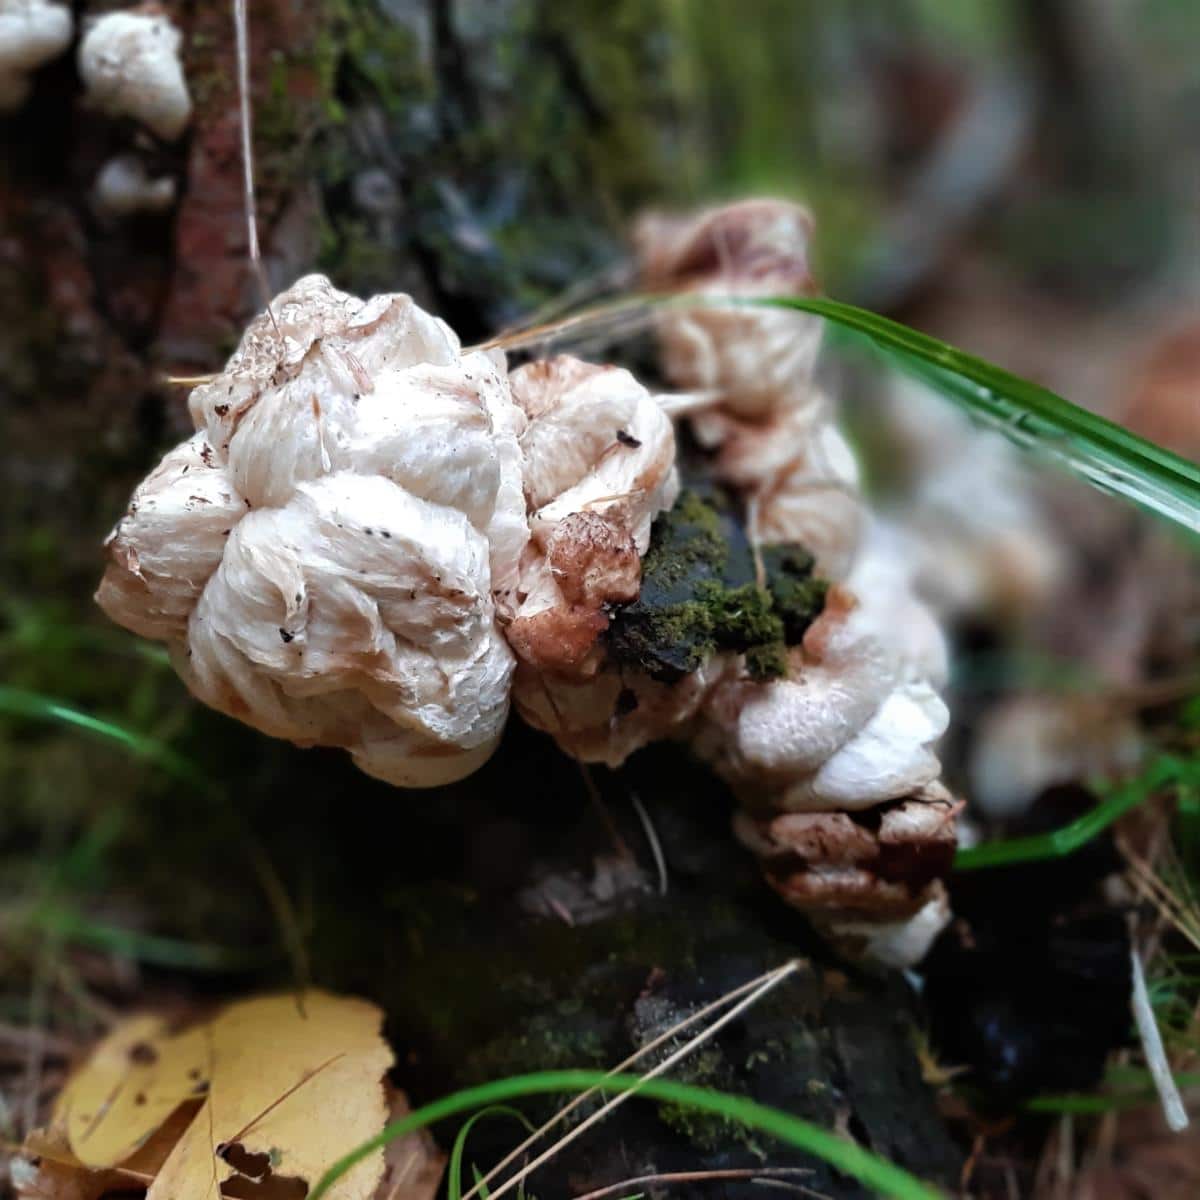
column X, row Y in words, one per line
column 31, row 32
column 854, row 721
column 978, row 538
column 123, row 188
column 1028, row 743
column 130, row 65
column 759, row 359
column 321, row 556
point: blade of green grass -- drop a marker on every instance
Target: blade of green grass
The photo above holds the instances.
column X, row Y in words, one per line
column 1135, row 1088
column 1098, row 450
column 1166, row 770
column 166, row 951
column 32, row 706
column 458, row 1150
column 847, row 1157
column 144, row 947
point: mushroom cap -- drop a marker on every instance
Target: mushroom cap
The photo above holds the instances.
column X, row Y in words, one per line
column 897, row 944
column 123, row 187
column 801, row 477
column 759, row 358
column 979, row 539
column 853, row 722
column 599, row 460
column 31, row 32
column 129, row 62
column 322, row 555
column 169, row 543
column 595, row 440
column 870, row 882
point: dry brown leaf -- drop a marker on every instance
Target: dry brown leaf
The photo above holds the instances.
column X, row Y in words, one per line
column 413, row 1164
column 254, row 1104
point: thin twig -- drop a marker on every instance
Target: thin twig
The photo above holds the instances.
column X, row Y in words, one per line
column 609, row 317
column 652, row 837
column 636, row 1057
column 688, row 1048
column 695, row 1177
column 187, row 380
column 1152, row 1048
column 242, row 37
column 791, row 1186
column 593, row 792
column 19, row 1037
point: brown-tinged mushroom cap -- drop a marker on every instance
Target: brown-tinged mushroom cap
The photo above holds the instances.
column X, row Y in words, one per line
column 870, row 880
column 599, row 459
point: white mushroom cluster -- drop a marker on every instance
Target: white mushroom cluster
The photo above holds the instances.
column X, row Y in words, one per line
column 321, row 556
column 130, row 65
column 31, row 33
column 850, row 728
column 375, row 540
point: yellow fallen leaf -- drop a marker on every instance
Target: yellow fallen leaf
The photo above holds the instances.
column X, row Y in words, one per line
column 289, row 1094
column 253, row 1104
column 131, row 1084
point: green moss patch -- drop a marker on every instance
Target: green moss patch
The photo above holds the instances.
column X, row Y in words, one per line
column 700, row 594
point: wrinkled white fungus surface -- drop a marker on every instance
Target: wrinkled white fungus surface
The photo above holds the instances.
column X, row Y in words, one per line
column 599, row 467
column 753, row 356
column 130, row 65
column 854, row 722
column 371, row 530
column 321, row 556
column 31, row 33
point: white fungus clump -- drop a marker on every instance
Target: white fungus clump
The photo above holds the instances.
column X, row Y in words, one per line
column 31, row 33
column 124, row 188
column 374, row 539
column 851, row 726
column 130, row 65
column 853, row 723
column 321, row 556
column 599, row 460
column 756, row 248
column 1028, row 743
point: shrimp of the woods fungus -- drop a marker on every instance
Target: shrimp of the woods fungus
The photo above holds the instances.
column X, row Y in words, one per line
column 377, row 541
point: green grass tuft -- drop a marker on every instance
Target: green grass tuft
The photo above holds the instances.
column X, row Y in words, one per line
column 851, row 1159
column 454, row 1170
column 1166, row 770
